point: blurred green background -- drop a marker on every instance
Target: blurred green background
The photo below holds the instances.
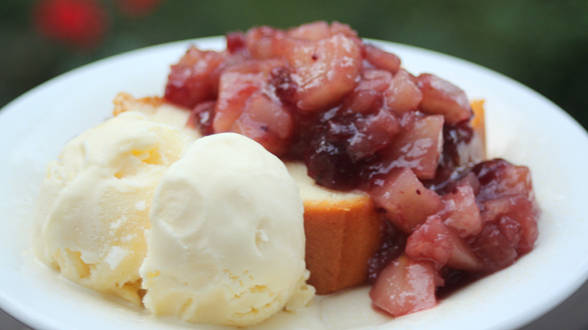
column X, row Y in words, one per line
column 543, row 44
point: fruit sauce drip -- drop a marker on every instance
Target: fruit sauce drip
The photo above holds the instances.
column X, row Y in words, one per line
column 317, row 93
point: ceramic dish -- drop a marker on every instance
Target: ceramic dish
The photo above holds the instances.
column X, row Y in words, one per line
column 522, row 127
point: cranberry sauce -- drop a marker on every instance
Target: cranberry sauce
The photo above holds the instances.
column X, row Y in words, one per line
column 318, row 94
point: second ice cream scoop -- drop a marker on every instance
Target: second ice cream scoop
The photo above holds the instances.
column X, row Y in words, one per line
column 227, row 241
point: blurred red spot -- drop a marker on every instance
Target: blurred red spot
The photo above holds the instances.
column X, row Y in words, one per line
column 137, row 7
column 81, row 23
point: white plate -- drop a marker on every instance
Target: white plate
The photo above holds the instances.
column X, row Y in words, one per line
column 523, row 127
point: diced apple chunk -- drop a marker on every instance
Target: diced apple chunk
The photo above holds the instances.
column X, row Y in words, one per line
column 419, row 146
column 194, row 78
column 433, row 241
column 496, row 244
column 461, row 212
column 508, row 211
column 265, row 42
column 381, row 59
column 374, row 80
column 247, row 104
column 443, row 97
column 403, row 95
column 405, row 286
column 373, row 133
column 516, row 208
column 324, row 70
column 235, row 90
column 500, row 178
column 406, row 201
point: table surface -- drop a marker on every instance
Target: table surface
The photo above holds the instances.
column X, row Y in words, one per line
column 570, row 315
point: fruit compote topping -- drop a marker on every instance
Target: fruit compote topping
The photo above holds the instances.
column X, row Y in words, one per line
column 317, row 93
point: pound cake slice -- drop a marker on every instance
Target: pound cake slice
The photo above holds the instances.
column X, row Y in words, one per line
column 342, row 233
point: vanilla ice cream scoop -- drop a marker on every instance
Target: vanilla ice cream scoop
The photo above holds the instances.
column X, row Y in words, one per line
column 226, row 244
column 95, row 201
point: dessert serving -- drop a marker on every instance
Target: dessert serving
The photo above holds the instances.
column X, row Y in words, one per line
column 118, row 217
column 389, row 168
